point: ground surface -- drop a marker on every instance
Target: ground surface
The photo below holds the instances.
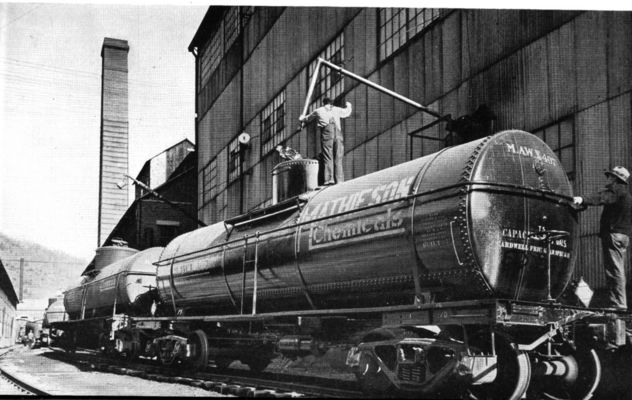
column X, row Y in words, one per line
column 61, row 379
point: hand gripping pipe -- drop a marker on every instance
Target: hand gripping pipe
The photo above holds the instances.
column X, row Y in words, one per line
column 365, row 81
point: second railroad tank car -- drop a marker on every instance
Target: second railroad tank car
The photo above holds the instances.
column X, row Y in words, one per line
column 463, row 223
column 55, row 311
column 124, row 284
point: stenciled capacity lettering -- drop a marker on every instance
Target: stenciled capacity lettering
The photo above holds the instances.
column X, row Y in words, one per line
column 518, row 239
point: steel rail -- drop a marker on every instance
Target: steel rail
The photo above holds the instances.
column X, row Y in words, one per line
column 237, row 382
column 21, row 384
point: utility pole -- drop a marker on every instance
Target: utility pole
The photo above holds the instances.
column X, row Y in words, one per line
column 21, row 278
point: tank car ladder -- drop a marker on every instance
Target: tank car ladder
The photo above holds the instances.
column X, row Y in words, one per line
column 255, row 262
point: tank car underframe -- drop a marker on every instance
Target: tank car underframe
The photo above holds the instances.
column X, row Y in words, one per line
column 484, row 347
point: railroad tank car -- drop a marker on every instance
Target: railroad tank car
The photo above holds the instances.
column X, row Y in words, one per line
column 477, row 241
column 55, row 312
column 462, row 223
column 124, row 284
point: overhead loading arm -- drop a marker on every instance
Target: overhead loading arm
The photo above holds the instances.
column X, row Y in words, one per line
column 371, row 84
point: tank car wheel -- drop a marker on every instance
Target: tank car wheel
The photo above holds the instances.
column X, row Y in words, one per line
column 588, row 378
column 370, row 377
column 369, row 374
column 513, row 374
column 103, row 343
column 199, row 349
column 70, row 342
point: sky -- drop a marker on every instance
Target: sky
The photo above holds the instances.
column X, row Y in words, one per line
column 50, row 93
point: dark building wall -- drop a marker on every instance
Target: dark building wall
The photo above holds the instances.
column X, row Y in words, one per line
column 563, row 75
column 151, row 222
column 8, row 304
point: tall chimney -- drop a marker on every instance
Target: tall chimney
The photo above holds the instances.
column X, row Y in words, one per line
column 114, row 135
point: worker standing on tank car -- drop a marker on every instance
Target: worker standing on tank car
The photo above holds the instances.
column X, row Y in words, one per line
column 615, row 230
column 331, row 139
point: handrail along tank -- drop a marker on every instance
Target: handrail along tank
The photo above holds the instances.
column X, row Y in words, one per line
column 461, row 222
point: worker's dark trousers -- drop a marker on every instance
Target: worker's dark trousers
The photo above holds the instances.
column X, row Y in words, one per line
column 614, row 246
column 332, row 149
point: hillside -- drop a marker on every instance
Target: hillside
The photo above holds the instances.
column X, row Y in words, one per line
column 46, row 272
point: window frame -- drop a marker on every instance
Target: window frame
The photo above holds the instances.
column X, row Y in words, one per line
column 330, row 83
column 233, row 160
column 412, row 23
column 210, row 189
column 272, row 127
column 561, row 145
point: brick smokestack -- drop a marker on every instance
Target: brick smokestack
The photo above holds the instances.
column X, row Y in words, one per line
column 114, row 135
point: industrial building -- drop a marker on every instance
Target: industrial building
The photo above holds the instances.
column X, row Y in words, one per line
column 150, row 221
column 8, row 305
column 562, row 75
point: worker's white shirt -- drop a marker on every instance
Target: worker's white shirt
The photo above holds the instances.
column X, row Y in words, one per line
column 329, row 113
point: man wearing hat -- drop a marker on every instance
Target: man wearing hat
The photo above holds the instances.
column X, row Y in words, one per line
column 615, row 231
column 331, row 140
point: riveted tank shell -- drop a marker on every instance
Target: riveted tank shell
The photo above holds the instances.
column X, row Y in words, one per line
column 126, row 283
column 462, row 222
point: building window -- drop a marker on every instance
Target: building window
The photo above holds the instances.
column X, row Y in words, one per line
column 330, row 83
column 272, row 119
column 231, row 27
column 234, row 158
column 398, row 25
column 561, row 139
column 209, row 181
column 211, row 56
column 227, row 32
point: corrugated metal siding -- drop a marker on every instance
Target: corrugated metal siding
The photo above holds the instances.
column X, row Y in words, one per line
column 373, row 109
column 620, row 120
column 432, row 65
column 619, row 52
column 223, row 120
column 400, row 85
column 589, row 262
column 371, row 156
column 561, row 71
column 451, row 46
column 386, row 109
column 535, row 86
column 591, row 45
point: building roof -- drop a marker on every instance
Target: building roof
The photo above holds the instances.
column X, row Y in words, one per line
column 6, row 285
column 208, row 25
column 147, row 163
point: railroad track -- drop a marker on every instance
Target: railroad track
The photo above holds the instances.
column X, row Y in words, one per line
column 12, row 386
column 240, row 383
